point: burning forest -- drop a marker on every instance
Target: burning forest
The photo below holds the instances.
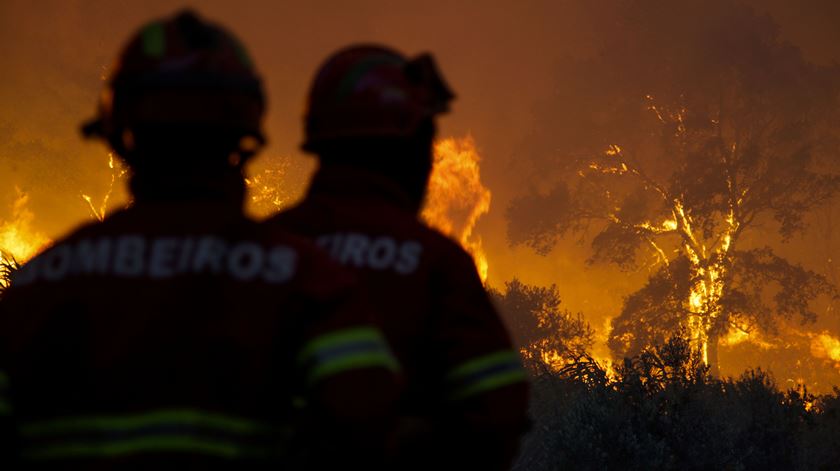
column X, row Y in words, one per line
column 651, row 207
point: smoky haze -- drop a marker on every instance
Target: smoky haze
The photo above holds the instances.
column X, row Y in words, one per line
column 505, row 60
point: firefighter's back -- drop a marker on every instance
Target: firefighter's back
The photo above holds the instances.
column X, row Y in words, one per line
column 163, row 335
column 370, row 121
column 416, row 276
column 177, row 334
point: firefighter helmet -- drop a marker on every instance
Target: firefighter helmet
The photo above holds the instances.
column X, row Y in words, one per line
column 373, row 91
column 180, row 71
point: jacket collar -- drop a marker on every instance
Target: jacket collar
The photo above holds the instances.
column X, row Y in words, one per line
column 346, row 182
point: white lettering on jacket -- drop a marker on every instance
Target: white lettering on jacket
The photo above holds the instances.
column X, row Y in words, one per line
column 161, row 258
column 374, row 252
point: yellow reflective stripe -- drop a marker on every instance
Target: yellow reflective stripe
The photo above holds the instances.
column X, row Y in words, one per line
column 194, row 418
column 489, row 384
column 156, row 444
column 359, row 360
column 166, row 430
column 485, row 373
column 338, row 339
column 343, row 350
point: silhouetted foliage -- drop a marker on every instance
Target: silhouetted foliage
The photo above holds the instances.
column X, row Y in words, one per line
column 663, row 410
column 538, row 323
column 8, row 266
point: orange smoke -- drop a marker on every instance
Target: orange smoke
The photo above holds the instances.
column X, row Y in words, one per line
column 19, row 241
column 456, row 197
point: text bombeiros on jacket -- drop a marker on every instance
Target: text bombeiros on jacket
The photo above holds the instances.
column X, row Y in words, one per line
column 374, row 252
column 136, row 256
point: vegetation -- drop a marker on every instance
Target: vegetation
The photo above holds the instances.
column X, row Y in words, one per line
column 546, row 333
column 717, row 142
column 663, row 410
column 8, row 265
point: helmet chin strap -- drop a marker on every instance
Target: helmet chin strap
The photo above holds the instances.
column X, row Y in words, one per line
column 226, row 187
column 191, row 169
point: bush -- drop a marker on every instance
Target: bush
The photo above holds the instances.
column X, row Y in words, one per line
column 662, row 410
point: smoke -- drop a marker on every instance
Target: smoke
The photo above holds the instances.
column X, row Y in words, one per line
column 507, row 61
column 664, row 74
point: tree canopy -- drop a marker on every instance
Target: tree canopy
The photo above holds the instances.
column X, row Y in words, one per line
column 692, row 124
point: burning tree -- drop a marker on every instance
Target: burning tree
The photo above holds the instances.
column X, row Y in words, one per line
column 543, row 330
column 716, row 131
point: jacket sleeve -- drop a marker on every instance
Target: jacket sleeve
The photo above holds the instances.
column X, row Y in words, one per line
column 349, row 373
column 9, row 440
column 486, row 392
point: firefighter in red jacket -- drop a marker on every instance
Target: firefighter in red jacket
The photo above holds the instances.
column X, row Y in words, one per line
column 370, row 121
column 177, row 333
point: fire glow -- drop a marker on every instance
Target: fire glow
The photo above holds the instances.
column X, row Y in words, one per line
column 19, row 240
column 826, row 347
column 456, row 198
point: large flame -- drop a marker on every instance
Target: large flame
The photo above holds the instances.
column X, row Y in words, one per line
column 827, row 347
column 739, row 334
column 19, row 241
column 456, row 197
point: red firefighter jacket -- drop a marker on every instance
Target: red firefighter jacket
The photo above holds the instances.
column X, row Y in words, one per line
column 465, row 383
column 183, row 335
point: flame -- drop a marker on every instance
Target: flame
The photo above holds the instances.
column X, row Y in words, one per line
column 827, row 347
column 456, row 197
column 709, row 265
column 117, row 171
column 19, row 241
column 740, row 334
column 266, row 191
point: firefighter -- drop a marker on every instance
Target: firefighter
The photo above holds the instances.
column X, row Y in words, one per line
column 371, row 123
column 177, row 333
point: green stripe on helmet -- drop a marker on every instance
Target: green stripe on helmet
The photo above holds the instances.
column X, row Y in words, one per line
column 154, row 40
column 242, row 54
column 359, row 70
